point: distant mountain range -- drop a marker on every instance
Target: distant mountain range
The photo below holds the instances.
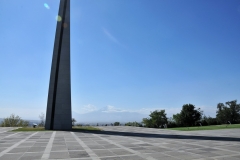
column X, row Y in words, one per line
column 103, row 116
column 106, row 115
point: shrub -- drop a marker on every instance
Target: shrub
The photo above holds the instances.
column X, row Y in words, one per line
column 116, row 123
column 136, row 124
column 14, row 121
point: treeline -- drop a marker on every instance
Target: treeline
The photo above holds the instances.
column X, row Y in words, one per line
column 14, row 121
column 228, row 113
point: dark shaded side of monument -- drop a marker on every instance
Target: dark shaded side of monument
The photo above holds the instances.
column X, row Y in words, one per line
column 59, row 114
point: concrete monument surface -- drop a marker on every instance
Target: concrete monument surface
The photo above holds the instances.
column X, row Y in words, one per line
column 59, row 114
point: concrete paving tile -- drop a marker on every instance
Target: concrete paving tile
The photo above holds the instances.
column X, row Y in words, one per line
column 85, row 139
column 59, row 143
column 102, row 142
column 129, row 145
column 59, row 155
column 197, row 151
column 42, row 140
column 96, row 147
column 159, row 156
column 7, row 145
column 91, row 143
column 74, row 159
column 11, row 156
column 189, row 157
column 33, row 141
column 17, row 150
column 2, row 149
column 103, row 153
column 228, row 158
column 220, row 152
column 121, row 151
column 147, row 151
column 111, row 158
column 109, row 146
column 158, row 149
column 237, row 156
column 137, row 148
column 78, row 154
column 208, row 149
column 31, row 156
column 40, row 145
column 172, row 146
column 169, row 158
column 133, row 157
column 59, row 148
column 27, row 144
column 145, row 144
column 210, row 154
column 205, row 158
column 183, row 155
column 1, row 142
column 58, row 139
column 36, row 149
column 75, row 148
column 72, row 143
column 69, row 139
column 231, row 148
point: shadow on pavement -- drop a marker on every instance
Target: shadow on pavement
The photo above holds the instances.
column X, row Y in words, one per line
column 152, row 135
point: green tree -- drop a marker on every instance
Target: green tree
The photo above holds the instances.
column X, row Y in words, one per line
column 136, row 124
column 188, row 115
column 42, row 120
column 148, row 122
column 159, row 118
column 210, row 120
column 14, row 121
column 116, row 123
column 171, row 123
column 203, row 121
column 228, row 112
column 177, row 119
column 73, row 121
column 223, row 113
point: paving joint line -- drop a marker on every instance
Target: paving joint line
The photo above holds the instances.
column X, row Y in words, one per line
column 15, row 145
column 140, row 141
column 86, row 148
column 46, row 153
column 226, row 156
column 165, row 153
column 128, row 149
column 9, row 135
column 194, row 145
column 236, row 152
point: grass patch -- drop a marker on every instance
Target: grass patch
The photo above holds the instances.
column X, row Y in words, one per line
column 27, row 129
column 85, row 128
column 213, row 127
column 74, row 129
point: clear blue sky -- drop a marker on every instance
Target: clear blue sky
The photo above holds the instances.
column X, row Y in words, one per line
column 126, row 55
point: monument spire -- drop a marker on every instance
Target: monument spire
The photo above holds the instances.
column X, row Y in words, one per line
column 59, row 114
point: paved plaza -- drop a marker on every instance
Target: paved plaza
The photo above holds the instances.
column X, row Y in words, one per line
column 120, row 143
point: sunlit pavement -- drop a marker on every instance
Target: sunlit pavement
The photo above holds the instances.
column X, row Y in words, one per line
column 120, row 143
column 5, row 129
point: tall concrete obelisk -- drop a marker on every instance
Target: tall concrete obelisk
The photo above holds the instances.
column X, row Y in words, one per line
column 59, row 114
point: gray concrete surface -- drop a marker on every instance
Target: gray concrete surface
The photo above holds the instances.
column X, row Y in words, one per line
column 120, row 143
